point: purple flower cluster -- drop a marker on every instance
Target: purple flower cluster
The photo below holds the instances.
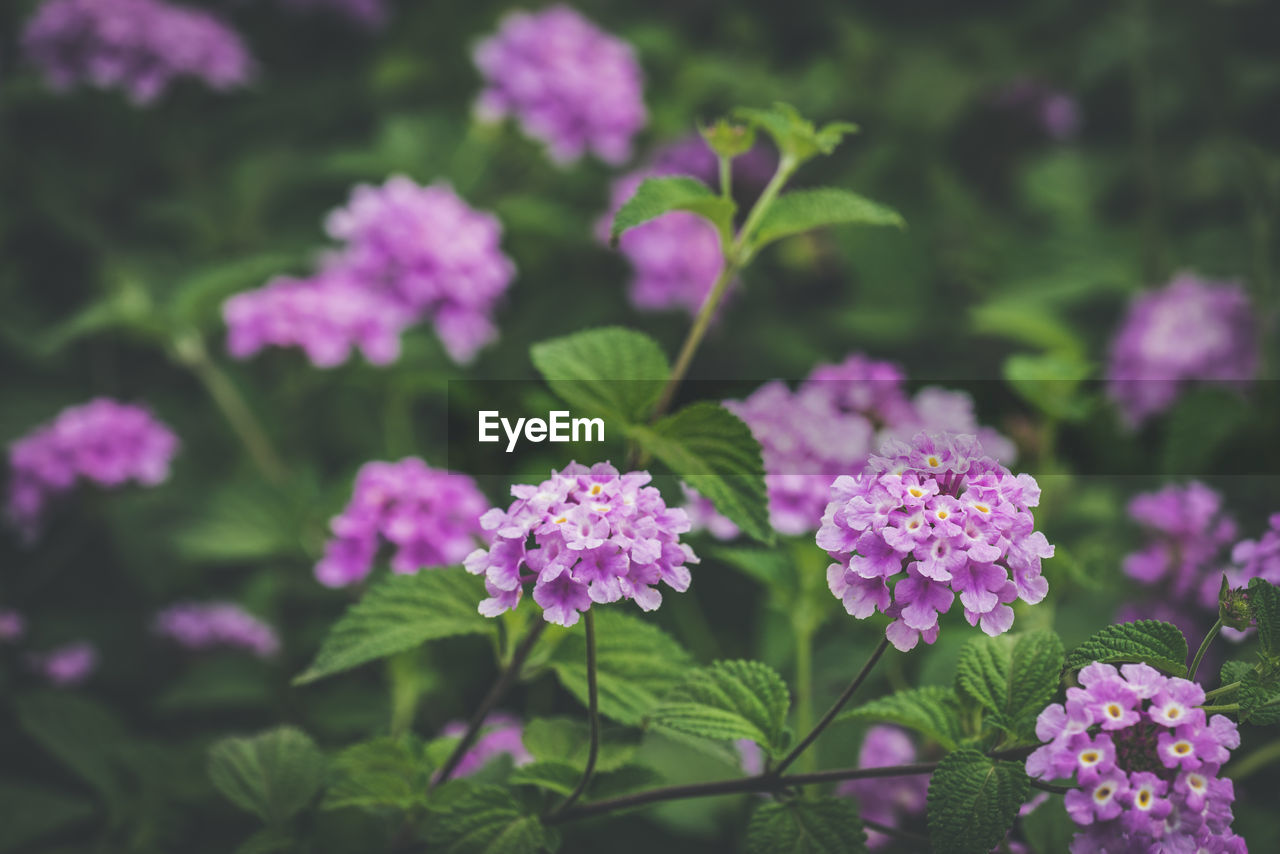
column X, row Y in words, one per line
column 961, row 522
column 140, row 46
column 1146, row 760
column 1189, row 532
column 410, row 254
column 326, row 316
column 368, row 13
column 1189, row 331
column 830, row 425
column 431, row 516
column 571, row 85
column 597, row 536
column 12, row 625
column 500, row 735
column 103, row 441
column 68, row 665
column 206, row 625
column 890, row 800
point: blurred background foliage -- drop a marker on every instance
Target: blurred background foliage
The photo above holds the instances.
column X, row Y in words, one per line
column 122, row 230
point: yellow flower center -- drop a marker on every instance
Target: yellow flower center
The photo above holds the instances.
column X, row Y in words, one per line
column 1182, row 748
column 982, row 508
column 1102, row 793
column 1173, row 712
column 1114, row 711
column 595, row 489
column 933, row 462
column 1089, row 758
column 942, row 514
column 1144, row 799
column 561, row 520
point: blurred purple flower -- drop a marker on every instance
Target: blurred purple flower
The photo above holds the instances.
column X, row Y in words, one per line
column 1189, row 532
column 677, row 256
column 368, row 13
column 1055, row 113
column 12, row 625
column 598, row 536
column 1189, row 331
column 889, row 800
column 829, row 426
column 956, row 521
column 571, row 85
column 140, row 46
column 426, row 249
column 103, row 441
column 431, row 516
column 750, row 756
column 501, row 734
column 410, row 254
column 68, row 665
column 326, row 316
column 1258, row 558
column 206, row 625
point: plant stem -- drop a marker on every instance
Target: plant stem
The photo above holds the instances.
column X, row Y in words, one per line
column 1256, row 761
column 726, row 177
column 1223, row 689
column 496, row 693
column 1204, row 646
column 736, row 257
column 804, row 691
column 767, row 782
column 835, row 708
column 593, row 719
column 786, row 166
column 1233, row 707
column 696, row 333
column 191, row 352
column 1050, row 787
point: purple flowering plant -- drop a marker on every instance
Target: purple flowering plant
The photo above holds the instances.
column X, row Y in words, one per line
column 904, row 680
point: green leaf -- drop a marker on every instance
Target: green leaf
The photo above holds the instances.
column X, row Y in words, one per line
column 1051, row 383
column 973, row 801
column 1259, row 697
column 610, row 371
column 1159, row 644
column 1264, row 605
column 386, row 773
column 933, row 710
column 636, row 665
column 805, row 210
column 484, row 820
column 796, row 137
column 656, row 196
column 398, row 613
column 83, row 734
column 32, row 811
column 713, row 451
column 806, row 826
column 730, row 700
column 274, row 774
column 568, row 740
column 1011, row 677
column 1035, row 322
column 770, row 567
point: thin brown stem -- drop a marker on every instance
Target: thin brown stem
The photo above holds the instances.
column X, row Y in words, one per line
column 768, row 782
column 495, row 695
column 835, row 708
